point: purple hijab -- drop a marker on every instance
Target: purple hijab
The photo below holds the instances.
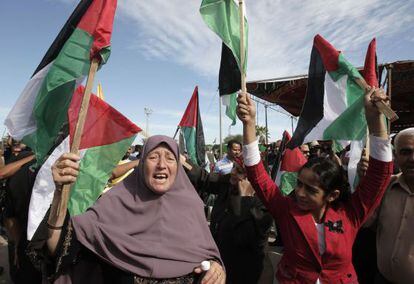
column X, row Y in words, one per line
column 150, row 235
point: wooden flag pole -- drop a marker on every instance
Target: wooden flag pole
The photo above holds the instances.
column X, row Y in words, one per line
column 386, row 110
column 389, row 79
column 63, row 205
column 242, row 48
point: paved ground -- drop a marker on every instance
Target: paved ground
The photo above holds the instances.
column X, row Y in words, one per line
column 4, row 277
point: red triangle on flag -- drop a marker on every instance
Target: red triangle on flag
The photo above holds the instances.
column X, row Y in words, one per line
column 327, row 52
column 370, row 66
column 189, row 118
column 103, row 125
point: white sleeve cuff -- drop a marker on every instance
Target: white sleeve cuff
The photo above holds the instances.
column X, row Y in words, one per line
column 380, row 148
column 251, row 154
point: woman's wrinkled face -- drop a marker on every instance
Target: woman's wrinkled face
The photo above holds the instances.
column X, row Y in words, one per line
column 160, row 169
column 309, row 194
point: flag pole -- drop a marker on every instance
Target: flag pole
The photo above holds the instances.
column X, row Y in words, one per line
column 62, row 206
column 242, row 47
column 176, row 131
column 389, row 79
column 221, row 137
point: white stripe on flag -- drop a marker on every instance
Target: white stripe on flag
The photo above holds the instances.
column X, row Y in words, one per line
column 43, row 189
column 225, row 99
column 354, row 157
column 20, row 121
column 334, row 103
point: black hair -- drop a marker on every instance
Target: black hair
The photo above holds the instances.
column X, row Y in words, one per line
column 233, row 141
column 331, row 177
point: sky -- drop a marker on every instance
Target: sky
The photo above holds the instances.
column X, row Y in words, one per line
column 162, row 49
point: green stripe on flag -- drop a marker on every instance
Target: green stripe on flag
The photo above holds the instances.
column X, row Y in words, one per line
column 95, row 169
column 53, row 100
column 222, row 17
column 351, row 124
column 231, row 108
column 346, row 69
column 190, row 142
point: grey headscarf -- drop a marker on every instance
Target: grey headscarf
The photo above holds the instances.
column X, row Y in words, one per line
column 147, row 234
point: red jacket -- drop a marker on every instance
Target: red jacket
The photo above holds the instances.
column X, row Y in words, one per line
column 301, row 261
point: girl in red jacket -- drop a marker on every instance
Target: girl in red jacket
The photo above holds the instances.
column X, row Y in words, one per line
column 319, row 223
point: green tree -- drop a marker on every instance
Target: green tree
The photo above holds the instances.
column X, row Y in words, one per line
column 262, row 133
column 237, row 137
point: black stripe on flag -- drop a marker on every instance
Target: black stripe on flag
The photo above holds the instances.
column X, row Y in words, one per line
column 200, row 144
column 64, row 34
column 279, row 156
column 312, row 109
column 229, row 75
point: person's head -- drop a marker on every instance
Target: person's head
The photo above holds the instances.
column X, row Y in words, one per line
column 138, row 148
column 326, row 148
column 314, row 149
column 277, row 144
column 17, row 147
column 238, row 173
column 404, row 152
column 320, row 182
column 234, row 149
column 160, row 163
column 305, row 150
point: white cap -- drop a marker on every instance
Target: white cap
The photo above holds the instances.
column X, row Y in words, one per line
column 205, row 265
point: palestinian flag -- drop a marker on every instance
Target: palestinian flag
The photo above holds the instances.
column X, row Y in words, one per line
column 370, row 74
column 41, row 110
column 192, row 130
column 106, row 136
column 288, row 166
column 222, row 17
column 334, row 103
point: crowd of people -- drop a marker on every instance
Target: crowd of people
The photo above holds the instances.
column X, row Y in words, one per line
column 150, row 224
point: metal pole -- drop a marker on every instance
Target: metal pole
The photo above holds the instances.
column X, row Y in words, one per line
column 267, row 130
column 147, row 112
column 221, row 138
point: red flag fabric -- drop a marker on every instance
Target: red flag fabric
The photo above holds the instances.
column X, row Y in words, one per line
column 293, row 159
column 103, row 125
column 98, row 22
column 370, row 66
column 189, row 118
column 327, row 52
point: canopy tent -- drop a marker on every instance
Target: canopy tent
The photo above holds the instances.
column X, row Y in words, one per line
column 289, row 92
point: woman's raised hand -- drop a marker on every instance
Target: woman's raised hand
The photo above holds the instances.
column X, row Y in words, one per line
column 66, row 169
column 246, row 109
column 373, row 115
column 372, row 96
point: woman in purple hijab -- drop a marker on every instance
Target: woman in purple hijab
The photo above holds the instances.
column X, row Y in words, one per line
column 150, row 228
